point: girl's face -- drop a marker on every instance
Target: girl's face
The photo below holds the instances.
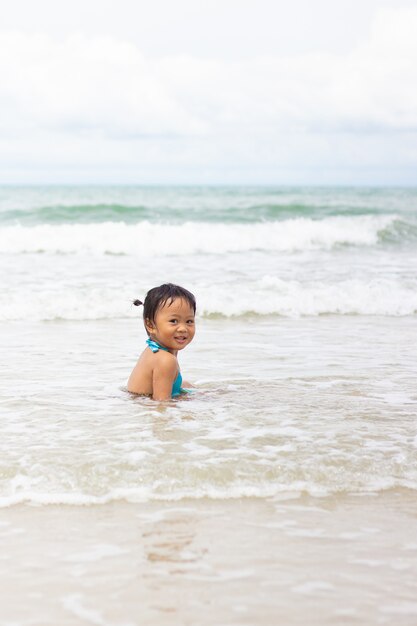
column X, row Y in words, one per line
column 174, row 325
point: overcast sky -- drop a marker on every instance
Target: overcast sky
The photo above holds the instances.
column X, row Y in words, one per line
column 203, row 91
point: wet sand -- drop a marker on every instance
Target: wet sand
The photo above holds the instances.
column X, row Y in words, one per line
column 335, row 560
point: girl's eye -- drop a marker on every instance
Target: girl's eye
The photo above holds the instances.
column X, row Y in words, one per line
column 173, row 321
column 190, row 321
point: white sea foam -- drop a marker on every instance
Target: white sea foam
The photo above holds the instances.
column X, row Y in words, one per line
column 274, row 296
column 268, row 296
column 291, row 490
column 145, row 239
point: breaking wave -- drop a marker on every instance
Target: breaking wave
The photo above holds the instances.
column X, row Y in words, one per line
column 270, row 295
column 158, row 239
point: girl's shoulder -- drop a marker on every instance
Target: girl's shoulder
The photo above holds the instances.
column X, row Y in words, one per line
column 160, row 356
column 163, row 364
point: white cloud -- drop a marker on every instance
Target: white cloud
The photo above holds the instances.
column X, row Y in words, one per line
column 94, row 100
column 84, row 85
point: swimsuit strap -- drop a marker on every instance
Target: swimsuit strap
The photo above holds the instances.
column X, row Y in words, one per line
column 154, row 346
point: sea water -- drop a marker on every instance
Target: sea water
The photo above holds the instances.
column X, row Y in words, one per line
column 288, row 479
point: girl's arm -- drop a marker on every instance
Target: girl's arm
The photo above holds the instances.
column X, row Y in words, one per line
column 163, row 377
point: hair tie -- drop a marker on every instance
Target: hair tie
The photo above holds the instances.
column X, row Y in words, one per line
column 137, row 302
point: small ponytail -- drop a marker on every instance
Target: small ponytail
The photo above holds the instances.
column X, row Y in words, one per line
column 137, row 302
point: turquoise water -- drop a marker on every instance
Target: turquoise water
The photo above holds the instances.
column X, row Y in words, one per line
column 86, row 252
column 59, row 205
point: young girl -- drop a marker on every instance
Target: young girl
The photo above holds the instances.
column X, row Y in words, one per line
column 169, row 319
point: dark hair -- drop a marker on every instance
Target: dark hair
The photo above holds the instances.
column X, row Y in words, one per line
column 159, row 296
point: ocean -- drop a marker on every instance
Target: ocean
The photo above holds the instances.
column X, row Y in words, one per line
column 284, row 489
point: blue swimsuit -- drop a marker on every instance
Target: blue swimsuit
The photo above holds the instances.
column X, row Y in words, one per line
column 176, row 387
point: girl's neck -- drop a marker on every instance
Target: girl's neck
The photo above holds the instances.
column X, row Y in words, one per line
column 161, row 345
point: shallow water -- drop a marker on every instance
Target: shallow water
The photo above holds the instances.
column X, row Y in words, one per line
column 284, row 489
column 322, row 405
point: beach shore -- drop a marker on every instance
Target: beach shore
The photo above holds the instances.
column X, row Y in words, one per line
column 338, row 560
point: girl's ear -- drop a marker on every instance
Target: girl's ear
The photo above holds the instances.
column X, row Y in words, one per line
column 149, row 325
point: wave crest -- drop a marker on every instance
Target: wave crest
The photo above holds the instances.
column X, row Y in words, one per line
column 158, row 239
column 268, row 296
